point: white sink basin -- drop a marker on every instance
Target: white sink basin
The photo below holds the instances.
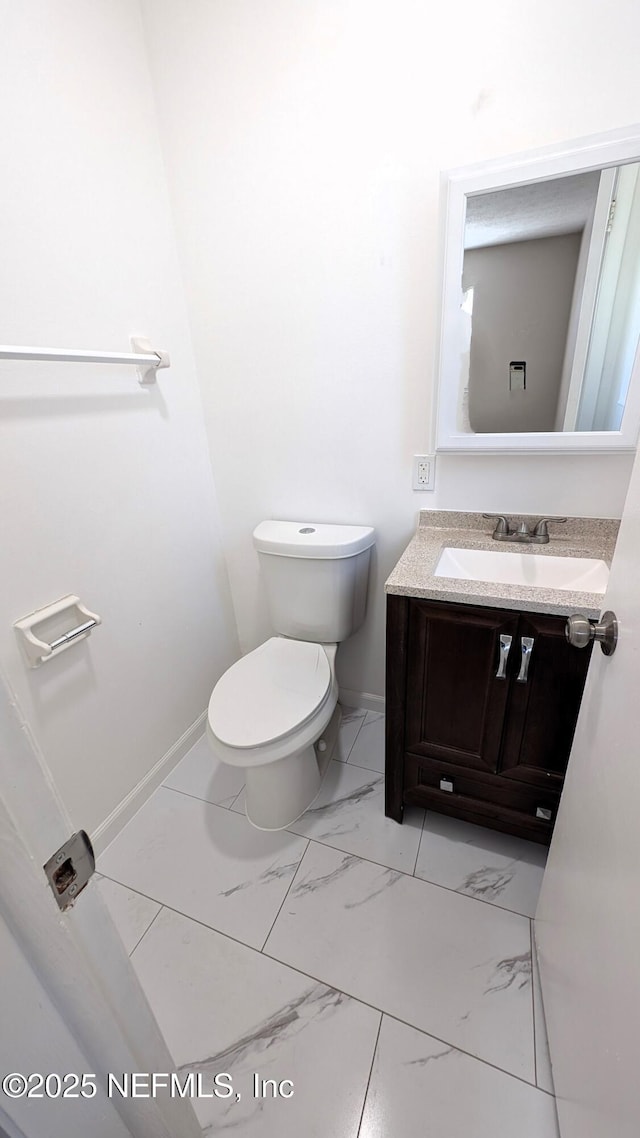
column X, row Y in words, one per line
column 509, row 567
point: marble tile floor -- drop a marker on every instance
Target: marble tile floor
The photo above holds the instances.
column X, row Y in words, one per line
column 385, row 970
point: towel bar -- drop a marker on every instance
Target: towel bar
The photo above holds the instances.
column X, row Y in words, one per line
column 148, row 360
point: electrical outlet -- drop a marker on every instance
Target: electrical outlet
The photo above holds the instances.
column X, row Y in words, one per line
column 424, row 471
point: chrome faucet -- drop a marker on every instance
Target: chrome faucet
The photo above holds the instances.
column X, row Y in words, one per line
column 504, row 531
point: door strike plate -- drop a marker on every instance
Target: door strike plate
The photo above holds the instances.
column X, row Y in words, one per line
column 69, row 868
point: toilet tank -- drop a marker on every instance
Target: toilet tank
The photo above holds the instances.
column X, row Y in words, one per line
column 315, row 576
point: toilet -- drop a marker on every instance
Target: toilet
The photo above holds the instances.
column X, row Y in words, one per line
column 275, row 712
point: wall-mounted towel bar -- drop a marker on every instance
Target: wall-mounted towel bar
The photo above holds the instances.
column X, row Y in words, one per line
column 148, row 360
column 53, row 637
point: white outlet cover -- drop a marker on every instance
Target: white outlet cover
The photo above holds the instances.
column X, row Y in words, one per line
column 424, row 471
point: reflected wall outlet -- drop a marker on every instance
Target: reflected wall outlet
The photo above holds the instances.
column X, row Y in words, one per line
column 518, row 375
column 424, row 471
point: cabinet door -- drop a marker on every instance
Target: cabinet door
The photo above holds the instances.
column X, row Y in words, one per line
column 543, row 709
column 455, row 701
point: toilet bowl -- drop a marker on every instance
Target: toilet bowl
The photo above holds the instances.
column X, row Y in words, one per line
column 266, row 714
column 275, row 712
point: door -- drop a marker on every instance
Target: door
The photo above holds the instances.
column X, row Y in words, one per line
column 587, row 925
column 70, row 1001
column 549, row 678
column 457, row 684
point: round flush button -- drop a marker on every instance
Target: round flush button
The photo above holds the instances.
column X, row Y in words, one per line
column 307, row 529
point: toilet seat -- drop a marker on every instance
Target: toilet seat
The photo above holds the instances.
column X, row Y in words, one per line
column 270, row 693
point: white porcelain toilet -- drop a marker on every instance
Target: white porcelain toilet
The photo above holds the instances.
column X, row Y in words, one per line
column 275, row 712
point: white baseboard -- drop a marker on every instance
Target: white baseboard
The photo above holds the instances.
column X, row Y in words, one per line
column 350, row 698
column 137, row 797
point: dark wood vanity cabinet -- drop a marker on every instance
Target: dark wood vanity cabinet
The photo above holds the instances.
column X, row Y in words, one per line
column 481, row 708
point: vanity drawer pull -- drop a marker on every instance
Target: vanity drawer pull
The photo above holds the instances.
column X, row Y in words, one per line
column 505, row 648
column 527, row 648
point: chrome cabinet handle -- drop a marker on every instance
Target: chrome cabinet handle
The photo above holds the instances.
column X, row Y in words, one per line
column 527, row 643
column 505, row 648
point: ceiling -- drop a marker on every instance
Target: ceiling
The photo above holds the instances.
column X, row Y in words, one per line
column 540, row 209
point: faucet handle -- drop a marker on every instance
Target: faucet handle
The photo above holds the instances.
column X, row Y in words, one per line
column 502, row 526
column 541, row 526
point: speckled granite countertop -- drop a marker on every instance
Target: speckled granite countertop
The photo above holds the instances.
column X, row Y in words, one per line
column 413, row 576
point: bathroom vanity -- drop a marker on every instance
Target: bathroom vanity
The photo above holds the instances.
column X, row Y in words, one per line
column 483, row 689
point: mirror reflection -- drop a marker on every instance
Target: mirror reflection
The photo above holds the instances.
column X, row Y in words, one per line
column 551, row 302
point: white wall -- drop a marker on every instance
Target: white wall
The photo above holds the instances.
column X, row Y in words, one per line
column 522, row 294
column 304, row 144
column 40, row 1040
column 105, row 487
column 622, row 338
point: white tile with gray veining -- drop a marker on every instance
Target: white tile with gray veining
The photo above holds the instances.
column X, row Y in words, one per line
column 349, row 814
column 351, row 722
column 225, row 1008
column 131, row 912
column 421, row 1087
column 417, row 949
column 442, row 962
column 485, row 864
column 206, row 862
column 200, row 774
column 544, row 1076
column 368, row 749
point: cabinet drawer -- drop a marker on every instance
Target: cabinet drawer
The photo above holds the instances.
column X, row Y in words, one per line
column 483, row 797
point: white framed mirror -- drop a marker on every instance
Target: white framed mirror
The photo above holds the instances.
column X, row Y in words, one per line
column 540, row 317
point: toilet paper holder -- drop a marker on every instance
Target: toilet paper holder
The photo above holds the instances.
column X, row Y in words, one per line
column 53, row 636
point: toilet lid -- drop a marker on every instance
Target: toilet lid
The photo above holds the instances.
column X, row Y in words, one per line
column 269, row 693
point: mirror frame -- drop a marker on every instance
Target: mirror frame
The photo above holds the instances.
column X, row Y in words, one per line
column 580, row 156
